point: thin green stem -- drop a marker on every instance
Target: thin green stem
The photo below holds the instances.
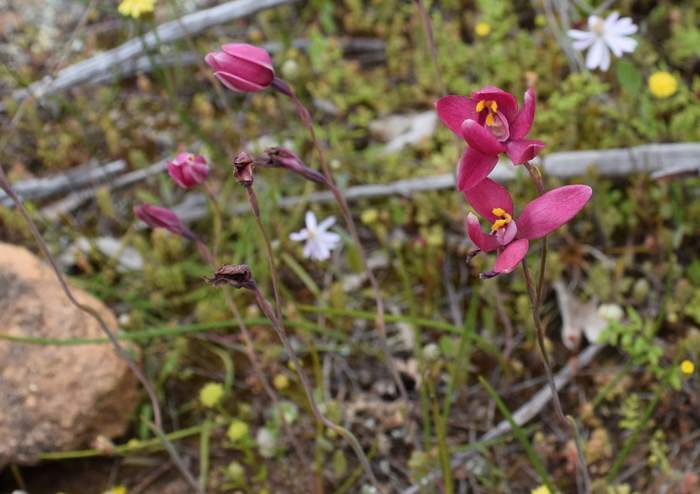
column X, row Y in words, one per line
column 266, row 308
column 539, row 330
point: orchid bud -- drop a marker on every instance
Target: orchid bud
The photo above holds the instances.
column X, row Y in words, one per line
column 283, row 158
column 188, row 170
column 242, row 67
column 243, row 169
column 157, row 217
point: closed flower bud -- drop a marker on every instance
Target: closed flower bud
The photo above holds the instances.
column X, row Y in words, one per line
column 242, row 67
column 157, row 217
column 188, row 170
column 243, row 169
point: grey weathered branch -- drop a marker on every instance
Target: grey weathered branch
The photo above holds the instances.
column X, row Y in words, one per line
column 109, row 61
column 522, row 415
column 77, row 178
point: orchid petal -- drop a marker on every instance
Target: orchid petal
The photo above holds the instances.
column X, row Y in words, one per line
column 507, row 234
column 488, row 195
column 523, row 120
column 506, row 102
column 523, row 150
column 235, row 83
column 474, row 166
column 509, row 257
column 484, row 242
column 453, row 110
column 551, row 210
column 480, row 138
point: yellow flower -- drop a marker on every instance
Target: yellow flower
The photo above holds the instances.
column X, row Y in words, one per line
column 687, row 367
column 237, row 430
column 482, row 29
column 662, row 84
column 118, row 489
column 281, row 381
column 543, row 489
column 135, row 8
column 210, row 395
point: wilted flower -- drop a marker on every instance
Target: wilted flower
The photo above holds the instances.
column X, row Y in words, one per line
column 243, row 169
column 603, row 36
column 242, row 67
column 662, row 84
column 319, row 241
column 490, row 122
column 278, row 157
column 237, row 275
column 510, row 237
column 135, row 8
column 188, row 170
column 158, row 217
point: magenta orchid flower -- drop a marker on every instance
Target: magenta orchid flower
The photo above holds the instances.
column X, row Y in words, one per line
column 188, row 170
column 491, row 123
column 242, row 67
column 158, row 217
column 510, row 237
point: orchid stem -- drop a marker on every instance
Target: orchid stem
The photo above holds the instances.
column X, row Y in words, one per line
column 539, row 330
column 253, row 201
column 118, row 348
column 249, row 347
column 342, row 431
column 536, row 176
column 347, row 217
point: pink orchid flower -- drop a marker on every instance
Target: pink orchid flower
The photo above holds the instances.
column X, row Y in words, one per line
column 490, row 122
column 510, row 237
column 242, row 67
column 188, row 170
column 158, row 217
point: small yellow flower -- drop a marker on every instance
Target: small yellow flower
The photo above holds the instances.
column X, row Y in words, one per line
column 210, row 395
column 543, row 489
column 687, row 367
column 281, row 381
column 135, row 8
column 118, row 489
column 662, row 84
column 237, row 430
column 482, row 29
column 369, row 216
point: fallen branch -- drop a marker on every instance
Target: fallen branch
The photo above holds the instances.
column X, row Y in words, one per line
column 523, row 415
column 109, row 61
column 77, row 178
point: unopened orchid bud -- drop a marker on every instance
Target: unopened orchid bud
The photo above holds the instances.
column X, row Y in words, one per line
column 158, row 217
column 283, row 158
column 242, row 67
column 243, row 169
column 188, row 170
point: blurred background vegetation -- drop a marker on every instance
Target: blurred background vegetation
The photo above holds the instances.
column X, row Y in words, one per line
column 354, row 62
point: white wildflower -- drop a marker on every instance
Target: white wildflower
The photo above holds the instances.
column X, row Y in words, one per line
column 603, row 36
column 319, row 241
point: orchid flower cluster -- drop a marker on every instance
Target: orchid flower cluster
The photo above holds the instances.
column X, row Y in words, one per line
column 491, row 124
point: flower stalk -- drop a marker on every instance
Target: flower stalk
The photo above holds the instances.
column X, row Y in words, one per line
column 240, row 276
column 341, row 201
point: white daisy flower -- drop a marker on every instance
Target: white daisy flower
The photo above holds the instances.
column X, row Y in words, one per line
column 603, row 36
column 319, row 241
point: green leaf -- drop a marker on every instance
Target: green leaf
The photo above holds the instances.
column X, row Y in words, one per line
column 628, row 76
